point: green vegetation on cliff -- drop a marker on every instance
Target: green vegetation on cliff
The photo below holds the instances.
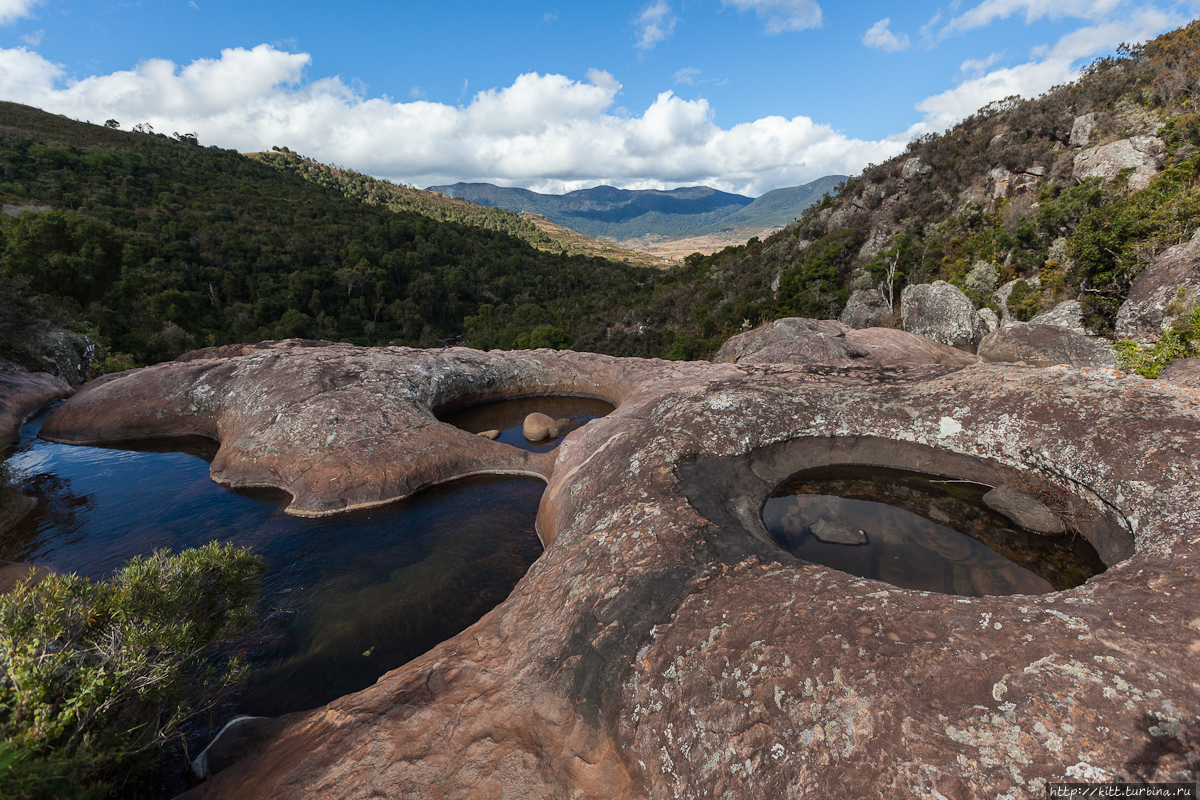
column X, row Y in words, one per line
column 996, row 198
column 156, row 245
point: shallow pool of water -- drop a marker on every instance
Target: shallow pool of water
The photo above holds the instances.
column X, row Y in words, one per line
column 345, row 598
column 508, row 416
column 923, row 533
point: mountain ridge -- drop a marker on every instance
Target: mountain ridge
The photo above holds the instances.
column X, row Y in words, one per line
column 625, row 214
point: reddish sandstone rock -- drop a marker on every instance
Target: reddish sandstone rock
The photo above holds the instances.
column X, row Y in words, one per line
column 663, row 646
column 21, row 394
column 805, row 341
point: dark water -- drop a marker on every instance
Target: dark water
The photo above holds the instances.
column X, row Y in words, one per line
column 345, row 598
column 507, row 416
column 924, row 534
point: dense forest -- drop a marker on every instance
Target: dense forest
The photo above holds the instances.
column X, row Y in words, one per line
column 397, row 197
column 153, row 245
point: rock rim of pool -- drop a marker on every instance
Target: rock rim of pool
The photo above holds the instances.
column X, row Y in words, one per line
column 663, row 642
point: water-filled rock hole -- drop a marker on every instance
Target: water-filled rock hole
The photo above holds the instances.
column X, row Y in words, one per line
column 345, row 598
column 508, row 417
column 920, row 532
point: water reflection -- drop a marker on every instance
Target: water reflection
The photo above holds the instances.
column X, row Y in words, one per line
column 923, row 534
column 507, row 417
column 345, row 598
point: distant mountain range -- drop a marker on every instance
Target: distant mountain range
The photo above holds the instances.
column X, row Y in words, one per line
column 624, row 214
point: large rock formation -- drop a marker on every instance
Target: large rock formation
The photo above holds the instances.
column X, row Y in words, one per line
column 1067, row 314
column 21, row 394
column 1142, row 315
column 1045, row 345
column 663, row 646
column 943, row 313
column 1143, row 154
column 866, row 308
column 795, row 340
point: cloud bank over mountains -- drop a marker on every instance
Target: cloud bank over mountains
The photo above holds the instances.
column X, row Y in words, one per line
column 545, row 132
column 553, row 133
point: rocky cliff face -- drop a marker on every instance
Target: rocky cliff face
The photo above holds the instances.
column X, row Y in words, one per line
column 663, row 646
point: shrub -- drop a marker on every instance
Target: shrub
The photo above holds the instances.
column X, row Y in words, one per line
column 1180, row 340
column 95, row 678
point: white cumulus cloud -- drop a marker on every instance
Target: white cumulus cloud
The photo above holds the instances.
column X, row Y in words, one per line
column 1053, row 66
column 989, row 11
column 546, row 132
column 782, row 15
column 655, row 24
column 880, row 37
column 11, row 10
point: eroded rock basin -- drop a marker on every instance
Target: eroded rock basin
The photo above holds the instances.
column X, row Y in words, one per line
column 508, row 416
column 921, row 532
column 660, row 647
column 344, row 599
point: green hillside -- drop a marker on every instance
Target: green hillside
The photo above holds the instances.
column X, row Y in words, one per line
column 375, row 191
column 155, row 245
column 777, row 207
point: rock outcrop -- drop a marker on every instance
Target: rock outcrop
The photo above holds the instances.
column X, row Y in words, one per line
column 795, row 337
column 663, row 645
column 1045, row 345
column 1067, row 314
column 1143, row 154
column 1183, row 371
column 943, row 313
column 866, row 308
column 805, row 341
column 21, row 394
column 1144, row 312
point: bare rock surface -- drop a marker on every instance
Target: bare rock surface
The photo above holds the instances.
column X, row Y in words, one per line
column 801, row 341
column 1023, row 510
column 809, row 340
column 866, row 308
column 1046, row 345
column 1067, row 314
column 1143, row 154
column 941, row 312
column 21, row 394
column 663, row 646
column 13, row 575
column 537, row 427
column 1183, row 371
column 1144, row 312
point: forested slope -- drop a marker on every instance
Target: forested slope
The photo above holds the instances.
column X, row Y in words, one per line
column 154, row 245
column 1015, row 192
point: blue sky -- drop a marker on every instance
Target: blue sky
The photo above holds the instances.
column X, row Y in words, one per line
column 744, row 95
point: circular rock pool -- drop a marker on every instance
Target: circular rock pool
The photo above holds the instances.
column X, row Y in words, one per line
column 507, row 417
column 920, row 532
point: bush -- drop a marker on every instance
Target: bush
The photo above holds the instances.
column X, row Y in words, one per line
column 95, row 678
column 1181, row 340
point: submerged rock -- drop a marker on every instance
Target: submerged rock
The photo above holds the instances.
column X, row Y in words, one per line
column 1024, row 511
column 837, row 532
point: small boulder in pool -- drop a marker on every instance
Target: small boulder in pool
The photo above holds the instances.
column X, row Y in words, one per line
column 837, row 532
column 539, row 426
